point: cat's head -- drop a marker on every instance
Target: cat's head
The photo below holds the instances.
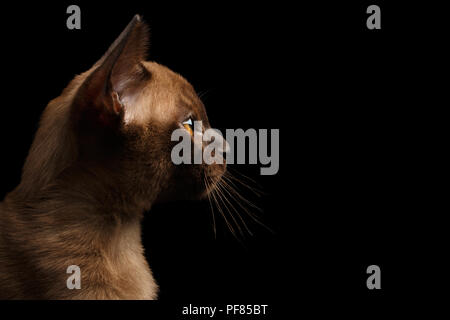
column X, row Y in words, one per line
column 121, row 117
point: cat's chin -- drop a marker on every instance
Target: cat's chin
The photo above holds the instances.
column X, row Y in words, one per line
column 191, row 193
column 176, row 193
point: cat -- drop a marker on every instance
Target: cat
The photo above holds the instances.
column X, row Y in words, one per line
column 99, row 160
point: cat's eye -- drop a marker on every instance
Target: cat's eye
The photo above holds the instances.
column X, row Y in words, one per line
column 189, row 126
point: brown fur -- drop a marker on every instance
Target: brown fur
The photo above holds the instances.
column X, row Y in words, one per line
column 100, row 158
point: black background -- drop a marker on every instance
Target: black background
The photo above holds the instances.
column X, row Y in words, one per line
column 341, row 95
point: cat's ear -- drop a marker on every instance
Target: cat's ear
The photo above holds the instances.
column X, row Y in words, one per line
column 118, row 74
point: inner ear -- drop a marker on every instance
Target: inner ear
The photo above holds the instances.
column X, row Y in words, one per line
column 129, row 83
column 118, row 73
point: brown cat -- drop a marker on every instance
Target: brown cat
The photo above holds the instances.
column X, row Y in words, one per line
column 100, row 158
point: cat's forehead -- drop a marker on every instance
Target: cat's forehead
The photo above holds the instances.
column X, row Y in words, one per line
column 166, row 77
column 166, row 96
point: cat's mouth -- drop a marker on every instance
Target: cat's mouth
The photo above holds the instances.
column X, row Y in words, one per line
column 212, row 178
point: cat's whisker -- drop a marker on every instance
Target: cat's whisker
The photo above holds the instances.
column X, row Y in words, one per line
column 223, row 193
column 202, row 95
column 210, row 204
column 231, row 191
column 223, row 199
column 230, row 227
column 231, row 186
column 221, row 186
column 236, row 196
column 230, row 170
column 232, row 178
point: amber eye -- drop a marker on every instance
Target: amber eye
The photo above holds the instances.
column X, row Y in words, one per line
column 188, row 126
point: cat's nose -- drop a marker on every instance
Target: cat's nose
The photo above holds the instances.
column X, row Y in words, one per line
column 215, row 137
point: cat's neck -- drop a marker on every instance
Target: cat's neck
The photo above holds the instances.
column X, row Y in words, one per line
column 97, row 190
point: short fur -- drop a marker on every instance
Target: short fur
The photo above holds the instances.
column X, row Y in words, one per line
column 99, row 160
